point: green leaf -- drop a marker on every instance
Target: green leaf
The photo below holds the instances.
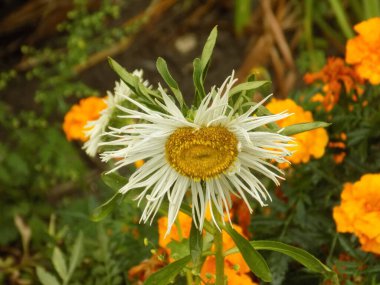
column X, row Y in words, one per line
column 306, row 259
column 196, row 245
column 114, row 180
column 76, row 254
column 178, row 249
column 247, row 86
column 167, row 274
column 162, row 68
column 134, row 82
column 300, row 255
column 103, row 210
column 45, row 277
column 59, row 263
column 263, row 111
column 303, row 127
column 254, row 260
column 207, row 51
column 201, row 66
column 198, row 81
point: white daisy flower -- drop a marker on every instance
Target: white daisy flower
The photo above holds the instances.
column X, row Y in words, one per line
column 217, row 153
column 95, row 129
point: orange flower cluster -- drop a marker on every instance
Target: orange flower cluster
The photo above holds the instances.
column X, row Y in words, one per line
column 77, row 117
column 359, row 211
column 234, row 265
column 363, row 50
column 311, row 143
column 335, row 75
column 139, row 273
column 339, row 148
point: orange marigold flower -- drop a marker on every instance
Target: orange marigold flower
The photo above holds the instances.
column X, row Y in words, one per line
column 359, row 211
column 176, row 233
column 139, row 273
column 181, row 230
column 311, row 143
column 241, row 214
column 339, row 148
column 234, row 276
column 363, row 50
column 77, row 117
column 334, row 75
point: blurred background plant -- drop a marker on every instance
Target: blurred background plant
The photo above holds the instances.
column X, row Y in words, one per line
column 54, row 53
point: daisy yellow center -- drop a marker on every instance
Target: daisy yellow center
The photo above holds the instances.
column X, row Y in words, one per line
column 203, row 153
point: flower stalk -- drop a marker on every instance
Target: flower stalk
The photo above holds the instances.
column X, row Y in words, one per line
column 219, row 257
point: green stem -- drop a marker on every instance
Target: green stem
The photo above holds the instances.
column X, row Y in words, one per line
column 189, row 277
column 371, row 8
column 341, row 16
column 357, row 9
column 308, row 27
column 308, row 24
column 219, row 257
column 330, row 33
column 333, row 244
column 288, row 221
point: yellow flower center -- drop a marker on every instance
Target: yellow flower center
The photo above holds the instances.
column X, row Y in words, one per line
column 203, row 153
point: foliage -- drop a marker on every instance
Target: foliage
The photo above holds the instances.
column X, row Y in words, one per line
column 51, row 190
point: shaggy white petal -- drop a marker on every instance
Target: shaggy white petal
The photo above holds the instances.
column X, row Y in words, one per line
column 97, row 127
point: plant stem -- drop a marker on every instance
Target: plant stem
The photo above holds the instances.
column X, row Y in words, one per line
column 371, row 8
column 189, row 278
column 219, row 257
column 357, row 9
column 341, row 16
column 333, row 244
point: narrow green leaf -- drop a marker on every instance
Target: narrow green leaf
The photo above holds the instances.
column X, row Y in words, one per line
column 196, row 245
column 114, row 180
column 306, row 259
column 134, row 82
column 76, row 254
column 263, row 111
column 247, row 86
column 162, row 68
column 299, row 255
column 103, row 210
column 59, row 263
column 342, row 19
column 303, row 127
column 348, row 247
column 255, row 261
column 167, row 274
column 178, row 249
column 208, row 49
column 198, row 82
column 45, row 277
column 201, row 66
